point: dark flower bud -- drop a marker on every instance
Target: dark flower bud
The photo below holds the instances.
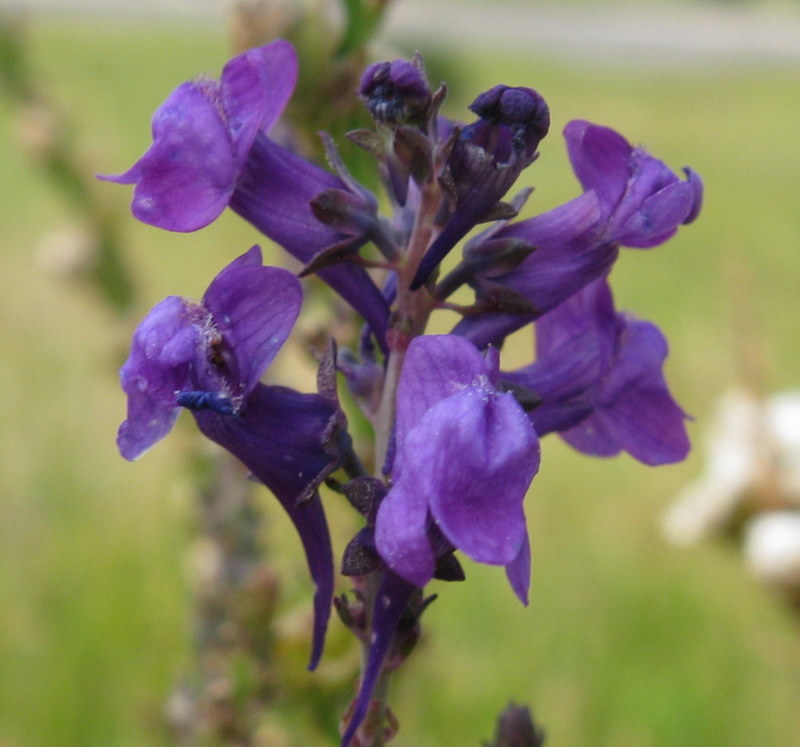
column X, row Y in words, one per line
column 395, row 92
column 516, row 728
column 512, row 106
column 487, row 157
column 521, row 109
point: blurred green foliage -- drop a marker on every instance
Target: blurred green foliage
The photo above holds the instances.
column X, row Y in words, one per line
column 626, row 642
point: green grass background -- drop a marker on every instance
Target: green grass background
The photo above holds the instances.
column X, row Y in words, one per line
column 627, row 641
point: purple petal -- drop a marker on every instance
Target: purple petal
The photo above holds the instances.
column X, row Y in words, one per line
column 202, row 135
column 159, row 365
column 390, row 602
column 280, row 437
column 592, row 436
column 401, row 533
column 590, row 310
column 600, row 376
column 637, row 407
column 148, row 421
column 465, row 456
column 655, row 203
column 518, row 571
column 436, row 366
column 575, row 344
column 657, row 218
column 474, row 454
column 570, row 253
column 255, row 88
column 251, row 257
column 648, row 175
column 697, row 190
column 564, row 380
column 600, row 159
column 254, row 308
column 562, row 230
column 274, row 193
column 185, row 179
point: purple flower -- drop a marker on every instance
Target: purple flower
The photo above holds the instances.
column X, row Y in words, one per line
column 208, row 357
column 202, row 135
column 210, row 150
column 643, row 202
column 599, row 374
column 487, row 157
column 220, row 346
column 285, row 439
column 631, row 199
column 465, row 456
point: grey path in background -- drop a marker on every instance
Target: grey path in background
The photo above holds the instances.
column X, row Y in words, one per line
column 649, row 33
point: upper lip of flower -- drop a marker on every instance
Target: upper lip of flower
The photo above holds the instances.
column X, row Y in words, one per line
column 643, row 201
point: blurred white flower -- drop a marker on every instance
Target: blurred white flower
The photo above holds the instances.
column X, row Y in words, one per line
column 753, row 462
column 772, row 547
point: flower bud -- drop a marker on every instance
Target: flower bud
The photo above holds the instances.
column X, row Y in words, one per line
column 522, row 110
column 395, row 92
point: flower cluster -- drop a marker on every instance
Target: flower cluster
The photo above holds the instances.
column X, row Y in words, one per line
column 457, row 437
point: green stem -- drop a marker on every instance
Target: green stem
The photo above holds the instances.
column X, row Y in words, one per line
column 410, row 319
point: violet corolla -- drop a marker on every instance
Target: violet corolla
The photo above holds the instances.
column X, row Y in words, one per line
column 465, row 456
column 642, row 200
column 208, row 357
column 202, row 136
column 599, row 375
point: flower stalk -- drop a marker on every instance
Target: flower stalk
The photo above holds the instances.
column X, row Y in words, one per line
column 456, row 437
